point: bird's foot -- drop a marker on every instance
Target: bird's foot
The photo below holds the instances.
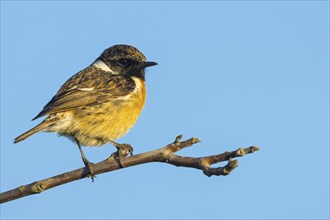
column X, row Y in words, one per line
column 123, row 150
column 89, row 166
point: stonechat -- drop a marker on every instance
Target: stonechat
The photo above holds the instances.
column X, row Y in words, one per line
column 99, row 104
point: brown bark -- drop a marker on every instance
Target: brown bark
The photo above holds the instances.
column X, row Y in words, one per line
column 165, row 155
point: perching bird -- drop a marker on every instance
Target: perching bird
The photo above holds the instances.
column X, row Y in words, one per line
column 99, row 104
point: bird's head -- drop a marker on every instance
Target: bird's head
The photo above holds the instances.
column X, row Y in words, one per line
column 125, row 59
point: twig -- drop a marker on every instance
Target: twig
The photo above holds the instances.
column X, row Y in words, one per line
column 165, row 154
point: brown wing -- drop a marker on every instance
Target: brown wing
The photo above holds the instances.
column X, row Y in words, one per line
column 90, row 86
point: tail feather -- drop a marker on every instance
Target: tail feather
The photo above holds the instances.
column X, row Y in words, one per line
column 32, row 131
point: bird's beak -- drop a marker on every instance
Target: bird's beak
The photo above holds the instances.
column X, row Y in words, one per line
column 149, row 63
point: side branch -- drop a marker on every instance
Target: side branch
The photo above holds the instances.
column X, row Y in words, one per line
column 165, row 154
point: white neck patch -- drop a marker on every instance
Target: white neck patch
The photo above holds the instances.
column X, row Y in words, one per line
column 137, row 89
column 101, row 65
column 138, row 84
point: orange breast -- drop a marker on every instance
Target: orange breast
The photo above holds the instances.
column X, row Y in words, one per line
column 96, row 125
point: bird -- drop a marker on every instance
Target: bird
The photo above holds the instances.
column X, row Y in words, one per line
column 100, row 103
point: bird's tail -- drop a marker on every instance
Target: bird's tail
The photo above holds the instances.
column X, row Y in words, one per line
column 34, row 130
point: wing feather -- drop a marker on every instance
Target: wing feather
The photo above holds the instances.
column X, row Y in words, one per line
column 90, row 86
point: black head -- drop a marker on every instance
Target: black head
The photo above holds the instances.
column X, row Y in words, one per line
column 125, row 59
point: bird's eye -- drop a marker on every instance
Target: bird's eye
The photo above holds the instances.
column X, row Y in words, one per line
column 124, row 62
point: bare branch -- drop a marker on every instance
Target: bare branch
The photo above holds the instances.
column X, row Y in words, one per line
column 165, row 154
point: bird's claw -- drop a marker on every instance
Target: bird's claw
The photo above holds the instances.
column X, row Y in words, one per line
column 123, row 150
column 89, row 165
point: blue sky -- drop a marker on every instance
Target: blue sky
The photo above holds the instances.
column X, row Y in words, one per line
column 233, row 74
